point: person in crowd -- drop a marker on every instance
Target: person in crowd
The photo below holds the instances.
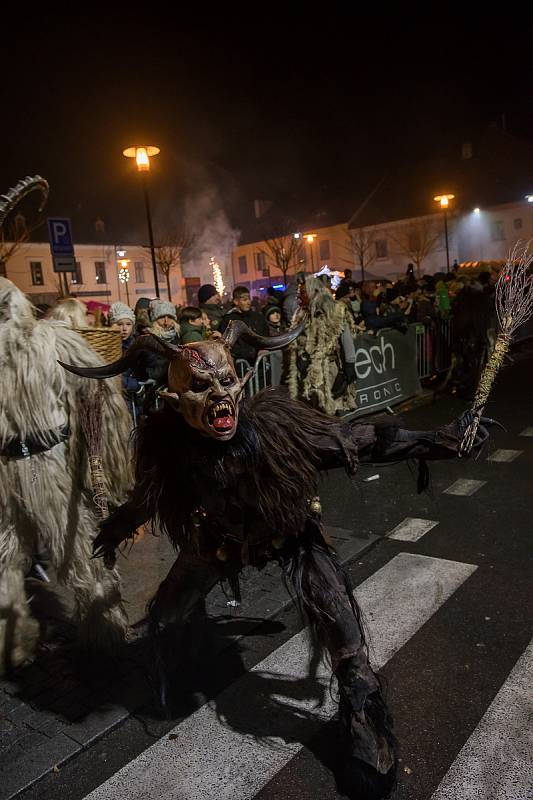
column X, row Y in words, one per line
column 274, row 321
column 322, row 360
column 122, row 318
column 370, row 311
column 290, row 298
column 210, row 303
column 410, row 278
column 71, row 311
column 194, row 325
column 142, row 315
column 472, row 318
column 164, row 326
column 347, row 293
column 242, row 309
column 274, row 297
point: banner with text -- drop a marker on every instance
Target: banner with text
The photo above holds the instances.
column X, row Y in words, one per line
column 386, row 369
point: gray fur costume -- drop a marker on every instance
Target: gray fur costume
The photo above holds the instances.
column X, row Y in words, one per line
column 45, row 490
column 316, row 358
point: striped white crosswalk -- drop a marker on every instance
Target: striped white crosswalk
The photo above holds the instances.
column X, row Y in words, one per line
column 496, row 762
column 464, row 487
column 411, row 529
column 232, row 748
column 504, row 456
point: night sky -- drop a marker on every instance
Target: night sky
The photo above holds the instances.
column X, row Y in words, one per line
column 303, row 113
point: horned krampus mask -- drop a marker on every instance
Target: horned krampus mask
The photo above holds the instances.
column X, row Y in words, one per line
column 202, row 383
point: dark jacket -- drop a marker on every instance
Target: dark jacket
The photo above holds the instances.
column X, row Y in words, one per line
column 215, row 314
column 255, row 321
column 191, row 333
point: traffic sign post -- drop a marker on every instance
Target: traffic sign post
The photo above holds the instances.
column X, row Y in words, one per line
column 60, row 235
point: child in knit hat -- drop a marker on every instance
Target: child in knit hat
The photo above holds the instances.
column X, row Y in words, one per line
column 164, row 321
column 122, row 317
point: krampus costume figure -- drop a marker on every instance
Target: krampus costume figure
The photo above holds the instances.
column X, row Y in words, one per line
column 234, row 483
column 45, row 490
column 322, row 360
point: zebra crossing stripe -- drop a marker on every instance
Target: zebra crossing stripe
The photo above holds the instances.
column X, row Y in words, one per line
column 496, row 763
column 464, row 487
column 504, row 455
column 527, row 432
column 231, row 748
column 411, row 529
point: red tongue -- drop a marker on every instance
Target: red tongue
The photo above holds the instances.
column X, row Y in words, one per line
column 223, row 423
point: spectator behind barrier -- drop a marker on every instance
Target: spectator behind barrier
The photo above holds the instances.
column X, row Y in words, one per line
column 242, row 309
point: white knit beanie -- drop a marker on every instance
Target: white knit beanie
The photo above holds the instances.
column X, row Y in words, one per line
column 120, row 311
column 162, row 308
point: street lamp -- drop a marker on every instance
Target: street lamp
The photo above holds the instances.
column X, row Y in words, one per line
column 444, row 200
column 142, row 154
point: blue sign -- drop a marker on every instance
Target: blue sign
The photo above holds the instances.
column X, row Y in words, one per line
column 60, row 235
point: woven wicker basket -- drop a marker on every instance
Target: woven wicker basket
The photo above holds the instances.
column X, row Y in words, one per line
column 104, row 341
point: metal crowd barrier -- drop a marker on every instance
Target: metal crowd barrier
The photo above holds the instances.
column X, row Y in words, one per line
column 433, row 347
column 433, row 354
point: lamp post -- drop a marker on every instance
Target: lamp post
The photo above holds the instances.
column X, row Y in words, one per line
column 142, row 154
column 310, row 239
column 444, row 201
column 124, row 276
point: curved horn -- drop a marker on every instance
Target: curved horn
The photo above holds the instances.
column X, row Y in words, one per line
column 238, row 329
column 13, row 196
column 147, row 342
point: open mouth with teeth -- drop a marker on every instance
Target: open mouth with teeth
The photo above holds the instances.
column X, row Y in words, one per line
column 221, row 417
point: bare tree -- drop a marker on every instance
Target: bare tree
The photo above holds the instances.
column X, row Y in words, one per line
column 168, row 253
column 13, row 236
column 283, row 250
column 416, row 239
column 363, row 244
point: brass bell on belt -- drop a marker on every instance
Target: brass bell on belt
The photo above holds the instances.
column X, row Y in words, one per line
column 315, row 506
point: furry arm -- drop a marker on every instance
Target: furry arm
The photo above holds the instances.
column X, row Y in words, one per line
column 386, row 443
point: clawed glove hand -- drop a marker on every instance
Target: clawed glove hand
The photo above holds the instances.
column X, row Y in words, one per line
column 453, row 434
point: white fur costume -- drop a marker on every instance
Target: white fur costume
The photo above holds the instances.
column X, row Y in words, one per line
column 47, row 496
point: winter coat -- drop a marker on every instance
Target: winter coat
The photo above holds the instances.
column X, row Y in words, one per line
column 191, row 333
column 255, row 321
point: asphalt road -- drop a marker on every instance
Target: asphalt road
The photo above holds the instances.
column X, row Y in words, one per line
column 449, row 616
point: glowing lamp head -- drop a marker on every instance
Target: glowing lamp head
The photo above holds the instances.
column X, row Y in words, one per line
column 142, row 155
column 142, row 160
column 310, row 237
column 444, row 200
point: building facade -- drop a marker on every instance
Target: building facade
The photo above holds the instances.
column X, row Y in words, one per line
column 383, row 251
column 97, row 277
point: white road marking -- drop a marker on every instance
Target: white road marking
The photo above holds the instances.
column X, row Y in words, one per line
column 496, row 763
column 231, row 748
column 464, row 487
column 411, row 529
column 504, row 455
column 527, row 432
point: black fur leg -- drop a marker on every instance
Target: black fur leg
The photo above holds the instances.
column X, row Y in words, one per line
column 368, row 759
column 174, row 621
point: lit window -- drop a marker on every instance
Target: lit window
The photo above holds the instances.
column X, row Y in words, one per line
column 77, row 277
column 36, row 273
column 323, row 246
column 139, row 272
column 99, row 267
column 497, row 231
column 381, row 248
